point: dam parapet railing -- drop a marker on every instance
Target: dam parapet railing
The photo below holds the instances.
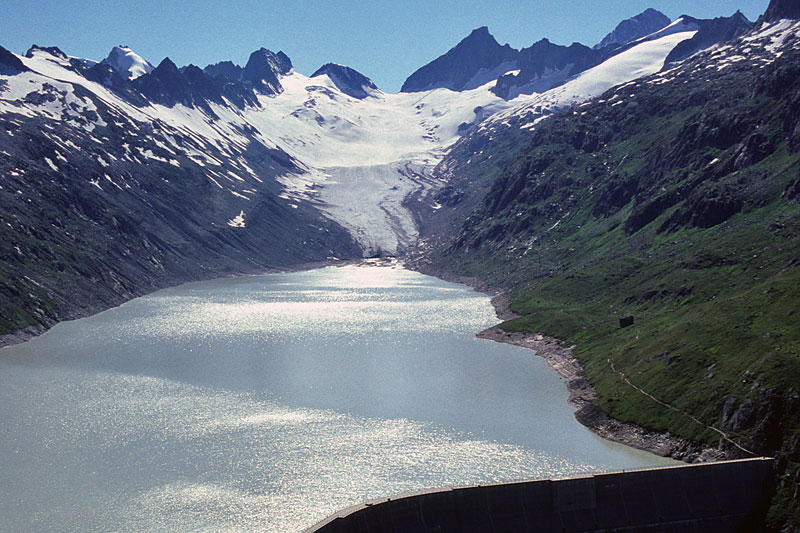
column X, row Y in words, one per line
column 709, row 497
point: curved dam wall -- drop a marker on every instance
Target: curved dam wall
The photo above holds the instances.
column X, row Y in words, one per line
column 725, row 496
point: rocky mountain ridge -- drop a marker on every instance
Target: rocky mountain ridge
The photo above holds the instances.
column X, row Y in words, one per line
column 478, row 59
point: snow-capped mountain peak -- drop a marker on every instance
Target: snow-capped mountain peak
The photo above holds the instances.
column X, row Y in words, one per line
column 457, row 69
column 347, row 80
column 634, row 28
column 128, row 63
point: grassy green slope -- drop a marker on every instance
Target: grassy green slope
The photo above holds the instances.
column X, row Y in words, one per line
column 674, row 201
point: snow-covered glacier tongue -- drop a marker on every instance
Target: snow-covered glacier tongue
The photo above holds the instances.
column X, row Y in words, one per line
column 370, row 201
column 364, row 158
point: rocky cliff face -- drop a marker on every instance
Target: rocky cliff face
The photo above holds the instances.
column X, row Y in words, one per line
column 782, row 9
column 263, row 70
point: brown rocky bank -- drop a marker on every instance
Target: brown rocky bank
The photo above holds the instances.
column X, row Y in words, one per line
column 561, row 358
column 582, row 396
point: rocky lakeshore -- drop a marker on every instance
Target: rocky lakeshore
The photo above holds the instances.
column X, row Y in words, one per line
column 582, row 396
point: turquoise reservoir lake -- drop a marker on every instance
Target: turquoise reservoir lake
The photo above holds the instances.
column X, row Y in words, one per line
column 265, row 403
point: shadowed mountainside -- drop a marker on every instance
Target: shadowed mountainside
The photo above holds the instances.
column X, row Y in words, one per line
column 674, row 199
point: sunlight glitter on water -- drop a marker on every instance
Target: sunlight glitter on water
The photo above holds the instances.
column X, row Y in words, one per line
column 289, row 310
column 205, row 459
column 266, row 403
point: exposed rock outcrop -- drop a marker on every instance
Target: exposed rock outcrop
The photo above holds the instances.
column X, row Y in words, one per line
column 263, row 70
column 782, row 9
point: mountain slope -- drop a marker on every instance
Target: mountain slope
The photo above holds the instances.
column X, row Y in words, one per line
column 105, row 196
column 672, row 199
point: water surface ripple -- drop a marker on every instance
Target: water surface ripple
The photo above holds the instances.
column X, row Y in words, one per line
column 265, row 403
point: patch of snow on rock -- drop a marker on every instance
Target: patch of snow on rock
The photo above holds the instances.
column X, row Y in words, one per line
column 237, row 221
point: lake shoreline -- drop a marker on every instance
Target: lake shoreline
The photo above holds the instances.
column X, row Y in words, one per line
column 582, row 395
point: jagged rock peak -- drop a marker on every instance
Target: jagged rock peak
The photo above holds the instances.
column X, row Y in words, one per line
column 226, row 69
column 480, row 35
column 347, row 80
column 545, row 65
column 629, row 30
column 168, row 85
column 162, row 83
column 52, row 50
column 128, row 63
column 277, row 63
column 782, row 9
column 166, row 66
column 263, row 69
column 459, row 67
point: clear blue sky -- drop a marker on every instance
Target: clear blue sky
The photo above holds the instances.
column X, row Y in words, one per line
column 385, row 40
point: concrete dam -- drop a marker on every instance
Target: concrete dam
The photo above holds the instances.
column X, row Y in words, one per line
column 709, row 497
